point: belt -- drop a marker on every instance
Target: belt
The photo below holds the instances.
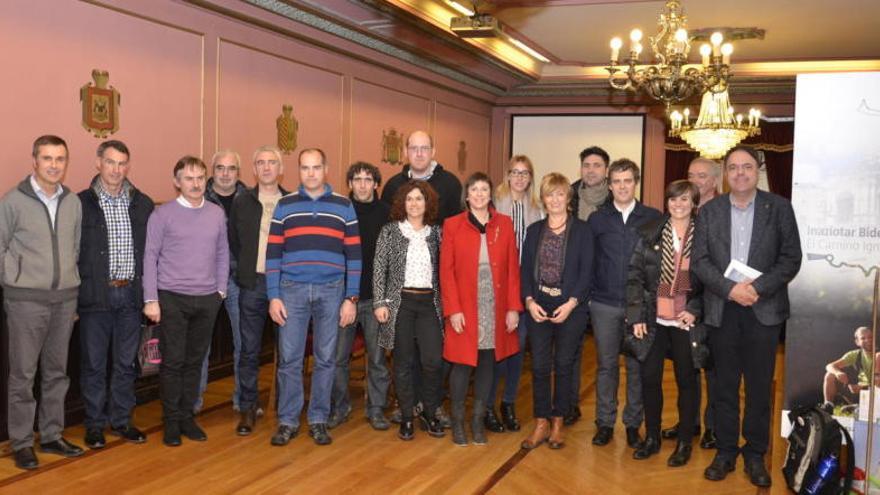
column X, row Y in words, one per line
column 410, row 290
column 550, row 291
column 119, row 283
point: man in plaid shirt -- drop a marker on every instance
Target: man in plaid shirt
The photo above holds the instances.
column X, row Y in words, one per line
column 111, row 264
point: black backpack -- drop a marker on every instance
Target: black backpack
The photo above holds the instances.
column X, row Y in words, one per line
column 814, row 435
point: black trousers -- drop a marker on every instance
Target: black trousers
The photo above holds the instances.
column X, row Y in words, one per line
column 460, row 377
column 554, row 347
column 743, row 349
column 678, row 343
column 187, row 327
column 418, row 338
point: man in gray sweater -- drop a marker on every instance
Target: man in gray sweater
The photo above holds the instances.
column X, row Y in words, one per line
column 40, row 222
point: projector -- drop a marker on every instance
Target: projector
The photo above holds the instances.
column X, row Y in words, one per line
column 478, row 26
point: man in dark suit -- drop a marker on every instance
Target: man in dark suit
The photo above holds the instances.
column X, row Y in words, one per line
column 745, row 315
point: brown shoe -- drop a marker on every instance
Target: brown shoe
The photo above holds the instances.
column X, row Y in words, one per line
column 246, row 423
column 556, row 440
column 538, row 436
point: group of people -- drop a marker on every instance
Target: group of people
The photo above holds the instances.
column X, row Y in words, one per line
column 453, row 279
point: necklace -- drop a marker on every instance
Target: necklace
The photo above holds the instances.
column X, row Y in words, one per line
column 564, row 221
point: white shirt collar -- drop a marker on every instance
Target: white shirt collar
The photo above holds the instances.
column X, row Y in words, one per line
column 42, row 193
column 186, row 204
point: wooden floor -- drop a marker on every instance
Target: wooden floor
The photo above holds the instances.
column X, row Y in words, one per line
column 364, row 461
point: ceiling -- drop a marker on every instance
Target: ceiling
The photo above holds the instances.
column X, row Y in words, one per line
column 800, row 36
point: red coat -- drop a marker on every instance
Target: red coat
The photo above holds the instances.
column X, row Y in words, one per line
column 459, row 265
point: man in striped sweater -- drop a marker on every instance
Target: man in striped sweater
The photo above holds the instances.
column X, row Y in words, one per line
column 313, row 269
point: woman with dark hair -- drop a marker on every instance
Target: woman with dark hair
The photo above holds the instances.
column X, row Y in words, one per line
column 557, row 263
column 406, row 301
column 479, row 273
column 516, row 198
column 663, row 305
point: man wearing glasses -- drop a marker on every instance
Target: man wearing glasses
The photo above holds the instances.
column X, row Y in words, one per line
column 221, row 189
column 422, row 166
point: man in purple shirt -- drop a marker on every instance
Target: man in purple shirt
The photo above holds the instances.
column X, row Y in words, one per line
column 186, row 270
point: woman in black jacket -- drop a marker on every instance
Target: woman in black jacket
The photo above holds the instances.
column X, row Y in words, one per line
column 663, row 305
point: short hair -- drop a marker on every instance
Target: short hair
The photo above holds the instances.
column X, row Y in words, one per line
column 503, row 189
column 554, row 181
column 313, row 150
column 224, row 152
column 473, row 179
column 622, row 165
column 48, row 140
column 742, row 147
column 678, row 187
column 398, row 206
column 862, row 329
column 189, row 161
column 430, row 137
column 595, row 150
column 714, row 168
column 116, row 145
column 358, row 167
column 270, row 148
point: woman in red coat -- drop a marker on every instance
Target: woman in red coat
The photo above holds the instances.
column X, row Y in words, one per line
column 479, row 288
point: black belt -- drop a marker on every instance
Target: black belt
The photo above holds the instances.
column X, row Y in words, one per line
column 415, row 290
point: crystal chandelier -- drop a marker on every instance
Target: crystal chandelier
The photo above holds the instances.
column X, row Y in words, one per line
column 717, row 129
column 671, row 80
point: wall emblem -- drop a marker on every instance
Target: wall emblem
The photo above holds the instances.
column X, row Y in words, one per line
column 100, row 105
column 287, row 127
column 392, row 147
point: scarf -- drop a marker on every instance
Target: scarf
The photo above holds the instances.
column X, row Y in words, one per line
column 675, row 277
column 590, row 198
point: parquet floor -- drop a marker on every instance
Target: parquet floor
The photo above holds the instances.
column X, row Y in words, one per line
column 364, row 461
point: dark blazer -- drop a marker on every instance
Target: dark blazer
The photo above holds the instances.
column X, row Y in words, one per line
column 641, row 289
column 775, row 250
column 445, row 184
column 244, row 234
column 94, row 260
column 577, row 269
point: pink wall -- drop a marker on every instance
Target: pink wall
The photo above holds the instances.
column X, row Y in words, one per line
column 193, row 81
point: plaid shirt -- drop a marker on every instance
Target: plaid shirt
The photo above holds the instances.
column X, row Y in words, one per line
column 119, row 239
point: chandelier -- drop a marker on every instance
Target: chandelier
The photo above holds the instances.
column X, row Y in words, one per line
column 716, row 129
column 671, row 79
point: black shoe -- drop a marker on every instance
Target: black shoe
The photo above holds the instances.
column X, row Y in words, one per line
column 319, row 434
column 171, row 436
column 283, row 435
column 129, row 433
column 406, row 431
column 681, row 455
column 603, row 436
column 508, row 416
column 378, row 421
column 646, row 449
column 26, row 459
column 191, row 430
column 708, row 441
column 62, row 447
column 757, row 472
column 633, row 439
column 669, row 433
column 443, row 418
column 490, row 421
column 246, row 422
column 719, row 468
column 95, row 438
column 431, row 425
column 338, row 417
column 574, row 414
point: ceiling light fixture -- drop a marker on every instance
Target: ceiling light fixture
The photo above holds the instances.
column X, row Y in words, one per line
column 526, row 48
column 717, row 129
column 459, row 7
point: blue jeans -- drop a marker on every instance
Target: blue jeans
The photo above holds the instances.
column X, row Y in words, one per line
column 378, row 376
column 117, row 330
column 510, row 369
column 254, row 309
column 303, row 302
column 231, row 305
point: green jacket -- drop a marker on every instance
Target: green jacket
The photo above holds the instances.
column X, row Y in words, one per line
column 35, row 256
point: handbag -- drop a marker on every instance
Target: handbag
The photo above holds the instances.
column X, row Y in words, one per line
column 149, row 357
column 635, row 347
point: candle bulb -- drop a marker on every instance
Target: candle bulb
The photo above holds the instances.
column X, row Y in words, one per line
column 739, row 120
column 716, row 40
column 616, row 43
column 687, row 116
column 637, row 50
column 681, row 37
column 705, row 51
column 726, row 50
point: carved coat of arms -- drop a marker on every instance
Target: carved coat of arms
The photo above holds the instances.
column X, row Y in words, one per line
column 100, row 105
column 287, row 127
column 392, row 147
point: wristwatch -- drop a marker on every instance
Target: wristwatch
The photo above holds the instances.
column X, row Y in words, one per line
column 354, row 299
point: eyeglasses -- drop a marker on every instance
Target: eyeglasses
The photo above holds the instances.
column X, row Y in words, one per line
column 420, row 149
column 226, row 168
column 520, row 173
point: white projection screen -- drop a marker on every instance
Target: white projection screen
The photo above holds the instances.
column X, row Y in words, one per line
column 553, row 142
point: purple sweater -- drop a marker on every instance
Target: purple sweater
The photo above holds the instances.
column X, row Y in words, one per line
column 186, row 251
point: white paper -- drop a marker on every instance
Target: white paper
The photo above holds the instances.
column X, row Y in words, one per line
column 739, row 271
